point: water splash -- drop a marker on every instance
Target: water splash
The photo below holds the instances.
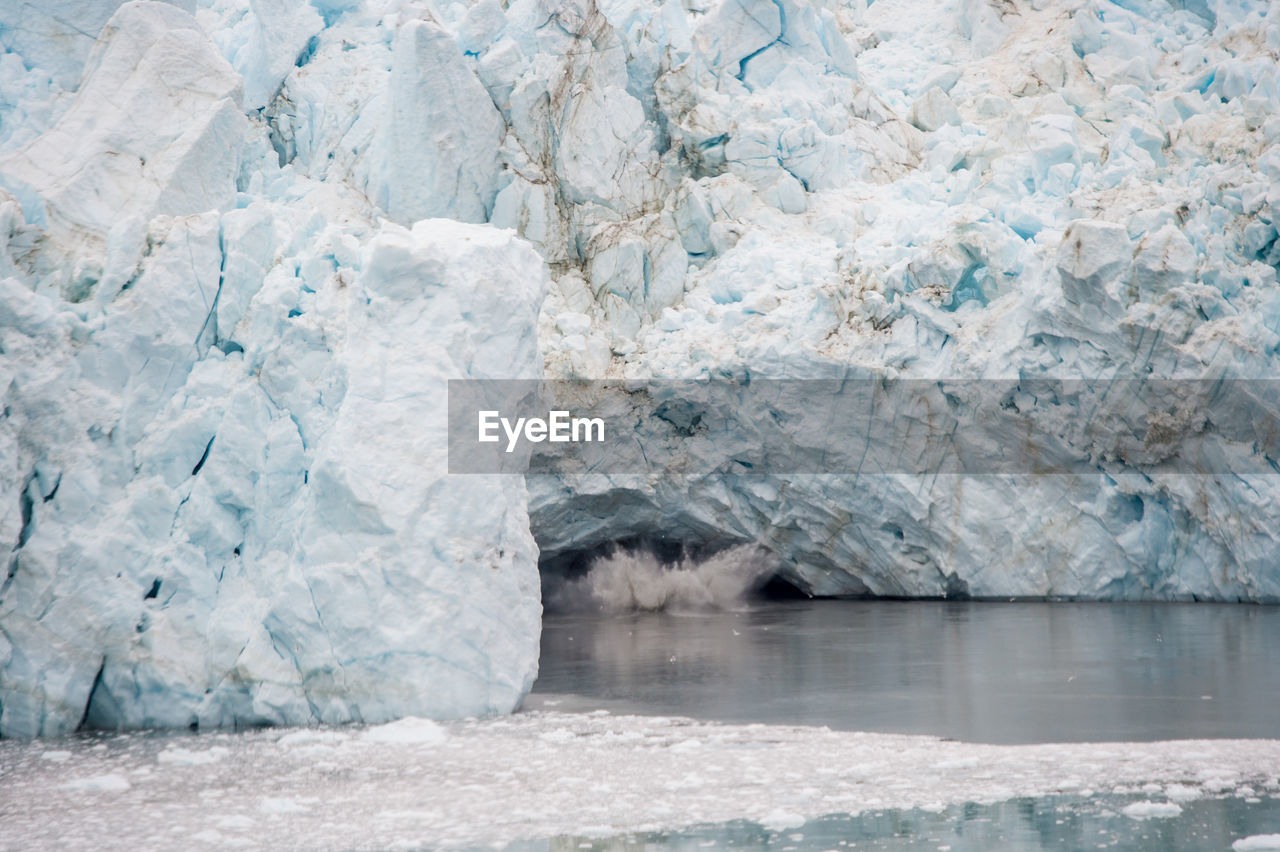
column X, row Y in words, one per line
column 629, row 580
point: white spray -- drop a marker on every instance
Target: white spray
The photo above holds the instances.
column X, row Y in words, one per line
column 627, row 580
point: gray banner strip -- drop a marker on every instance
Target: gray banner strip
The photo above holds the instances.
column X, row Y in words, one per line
column 865, row 426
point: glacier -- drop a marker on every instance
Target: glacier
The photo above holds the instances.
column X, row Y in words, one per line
column 247, row 242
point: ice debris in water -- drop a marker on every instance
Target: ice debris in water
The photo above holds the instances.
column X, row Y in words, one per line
column 533, row 775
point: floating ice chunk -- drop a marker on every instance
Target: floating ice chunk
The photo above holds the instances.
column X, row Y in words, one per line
column 781, row 820
column 1181, row 793
column 407, row 731
column 111, row 783
column 211, row 837
column 469, row 795
column 192, row 757
column 1257, row 843
column 1151, row 810
column 279, row 805
column 312, row 737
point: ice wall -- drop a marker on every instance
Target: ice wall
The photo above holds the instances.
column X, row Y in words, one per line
column 223, row 451
column 1077, row 190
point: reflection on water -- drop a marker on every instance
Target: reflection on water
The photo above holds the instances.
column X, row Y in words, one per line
column 985, row 672
column 1021, row 824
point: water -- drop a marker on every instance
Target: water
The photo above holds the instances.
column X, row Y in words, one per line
column 1018, row 825
column 981, row 672
column 583, row 779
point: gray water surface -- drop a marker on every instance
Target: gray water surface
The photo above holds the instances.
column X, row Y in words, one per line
column 974, row 671
column 1018, row 825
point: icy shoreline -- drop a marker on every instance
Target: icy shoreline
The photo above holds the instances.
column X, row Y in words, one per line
column 415, row 783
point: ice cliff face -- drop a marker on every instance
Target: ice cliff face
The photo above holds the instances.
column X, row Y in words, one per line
column 246, row 242
column 223, row 443
column 1077, row 190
